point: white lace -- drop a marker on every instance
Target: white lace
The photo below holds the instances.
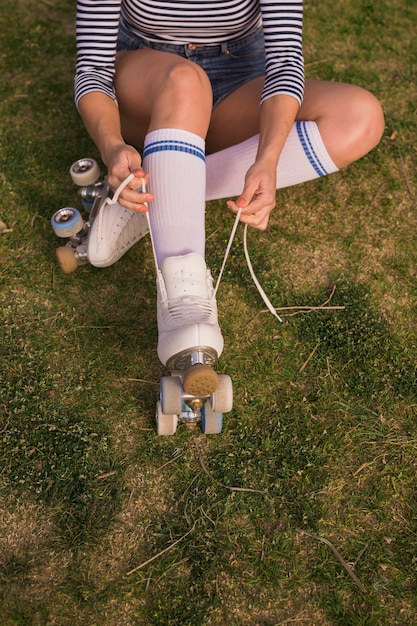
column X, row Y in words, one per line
column 249, row 264
column 112, row 200
column 184, row 311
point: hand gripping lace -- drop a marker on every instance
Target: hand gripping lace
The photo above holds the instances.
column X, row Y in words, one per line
column 226, row 254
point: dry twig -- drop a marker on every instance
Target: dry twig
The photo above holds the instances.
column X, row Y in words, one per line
column 135, row 569
column 308, row 309
column 310, row 356
column 142, row 380
column 339, row 557
column 404, row 171
column 176, row 457
column 206, row 471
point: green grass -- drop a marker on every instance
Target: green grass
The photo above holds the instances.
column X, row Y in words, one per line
column 104, row 523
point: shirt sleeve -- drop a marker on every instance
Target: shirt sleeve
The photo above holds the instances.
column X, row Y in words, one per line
column 97, row 31
column 284, row 70
column 97, row 26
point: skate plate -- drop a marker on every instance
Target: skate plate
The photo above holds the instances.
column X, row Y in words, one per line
column 176, row 406
column 68, row 223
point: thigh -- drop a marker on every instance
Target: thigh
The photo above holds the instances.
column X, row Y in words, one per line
column 325, row 99
column 336, row 107
column 237, row 117
column 155, row 85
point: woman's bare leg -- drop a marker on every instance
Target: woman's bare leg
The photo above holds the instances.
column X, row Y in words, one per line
column 349, row 118
column 337, row 124
column 157, row 89
column 161, row 90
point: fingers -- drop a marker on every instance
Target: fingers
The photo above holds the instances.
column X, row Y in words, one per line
column 135, row 201
column 257, row 220
column 254, row 213
column 258, row 197
column 133, row 196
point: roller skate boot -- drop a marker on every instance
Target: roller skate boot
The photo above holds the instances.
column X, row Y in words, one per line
column 189, row 345
column 109, row 230
column 113, row 232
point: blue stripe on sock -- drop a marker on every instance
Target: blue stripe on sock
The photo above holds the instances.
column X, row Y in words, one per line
column 309, row 149
column 175, row 146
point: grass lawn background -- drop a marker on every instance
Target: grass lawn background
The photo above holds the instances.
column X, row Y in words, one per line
column 104, row 523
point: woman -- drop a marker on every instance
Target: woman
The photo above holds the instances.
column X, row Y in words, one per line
column 178, row 80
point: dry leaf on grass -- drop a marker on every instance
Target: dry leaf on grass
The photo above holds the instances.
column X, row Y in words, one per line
column 4, row 228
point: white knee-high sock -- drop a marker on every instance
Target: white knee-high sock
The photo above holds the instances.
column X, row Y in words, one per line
column 303, row 158
column 175, row 162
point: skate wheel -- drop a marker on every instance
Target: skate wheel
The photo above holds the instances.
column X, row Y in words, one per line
column 171, row 395
column 222, row 398
column 200, row 380
column 211, row 421
column 84, row 172
column 66, row 259
column 165, row 424
column 67, row 222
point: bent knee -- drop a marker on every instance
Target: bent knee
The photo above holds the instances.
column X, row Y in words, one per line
column 358, row 129
column 371, row 119
column 185, row 78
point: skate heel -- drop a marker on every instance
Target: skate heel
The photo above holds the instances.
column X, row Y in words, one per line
column 200, row 380
column 196, row 367
column 177, row 406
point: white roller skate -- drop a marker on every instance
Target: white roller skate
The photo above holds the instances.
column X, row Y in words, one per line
column 190, row 343
column 108, row 233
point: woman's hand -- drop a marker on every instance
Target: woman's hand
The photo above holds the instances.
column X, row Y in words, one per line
column 123, row 160
column 258, row 197
column 102, row 119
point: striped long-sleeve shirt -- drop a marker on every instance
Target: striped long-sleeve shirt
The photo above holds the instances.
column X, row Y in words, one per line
column 190, row 21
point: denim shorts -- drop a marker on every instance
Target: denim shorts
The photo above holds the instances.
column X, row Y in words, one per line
column 229, row 64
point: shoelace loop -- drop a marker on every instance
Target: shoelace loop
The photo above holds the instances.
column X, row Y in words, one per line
column 249, row 264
